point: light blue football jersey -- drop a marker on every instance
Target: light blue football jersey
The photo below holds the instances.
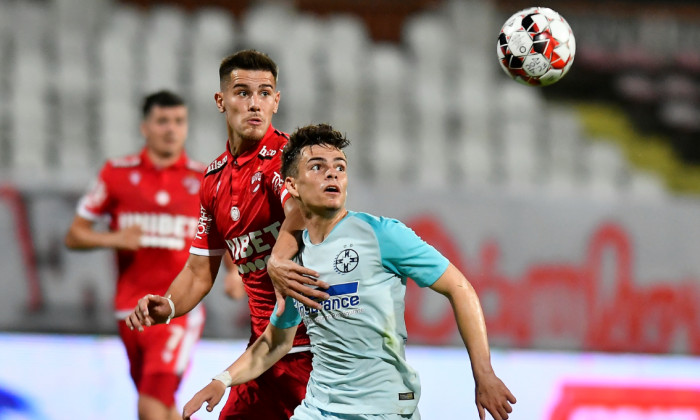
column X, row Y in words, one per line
column 358, row 338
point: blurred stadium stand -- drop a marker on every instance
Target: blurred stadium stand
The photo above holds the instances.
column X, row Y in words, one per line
column 374, row 69
column 415, row 85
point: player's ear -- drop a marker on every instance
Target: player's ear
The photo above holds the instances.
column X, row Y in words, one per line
column 219, row 99
column 277, row 101
column 291, row 187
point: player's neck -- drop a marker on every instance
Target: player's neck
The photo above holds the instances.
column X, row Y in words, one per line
column 321, row 225
column 162, row 161
column 239, row 145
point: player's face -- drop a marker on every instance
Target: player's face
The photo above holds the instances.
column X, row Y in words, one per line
column 165, row 130
column 249, row 101
column 322, row 181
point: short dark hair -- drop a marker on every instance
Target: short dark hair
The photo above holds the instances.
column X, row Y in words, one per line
column 246, row 60
column 310, row 135
column 162, row 98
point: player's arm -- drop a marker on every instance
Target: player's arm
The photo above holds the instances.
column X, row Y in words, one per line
column 83, row 235
column 233, row 283
column 185, row 292
column 270, row 347
column 491, row 394
column 289, row 278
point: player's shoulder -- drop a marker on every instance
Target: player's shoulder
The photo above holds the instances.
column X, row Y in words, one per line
column 274, row 145
column 123, row 162
column 217, row 165
column 376, row 222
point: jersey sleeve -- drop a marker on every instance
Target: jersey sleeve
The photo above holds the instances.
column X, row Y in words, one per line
column 96, row 203
column 289, row 318
column 406, row 254
column 207, row 240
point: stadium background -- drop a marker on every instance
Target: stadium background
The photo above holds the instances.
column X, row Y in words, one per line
column 573, row 209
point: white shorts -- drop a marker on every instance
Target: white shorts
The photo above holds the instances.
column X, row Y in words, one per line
column 306, row 411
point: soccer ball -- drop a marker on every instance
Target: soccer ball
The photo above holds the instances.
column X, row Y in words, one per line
column 536, row 46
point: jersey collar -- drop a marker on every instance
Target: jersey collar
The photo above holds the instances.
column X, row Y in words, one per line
column 148, row 163
column 250, row 154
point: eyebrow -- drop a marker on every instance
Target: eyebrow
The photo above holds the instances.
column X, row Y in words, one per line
column 320, row 159
column 245, row 85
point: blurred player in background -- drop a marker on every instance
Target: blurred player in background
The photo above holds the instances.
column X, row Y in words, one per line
column 243, row 206
column 152, row 202
column 358, row 338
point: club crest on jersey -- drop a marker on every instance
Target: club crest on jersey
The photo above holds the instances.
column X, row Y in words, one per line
column 191, row 184
column 346, row 261
column 255, row 182
column 235, row 213
column 162, row 198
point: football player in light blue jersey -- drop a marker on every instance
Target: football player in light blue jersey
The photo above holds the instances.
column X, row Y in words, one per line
column 358, row 337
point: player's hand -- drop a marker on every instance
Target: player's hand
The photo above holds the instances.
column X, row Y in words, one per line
column 292, row 279
column 129, row 238
column 493, row 396
column 150, row 310
column 211, row 394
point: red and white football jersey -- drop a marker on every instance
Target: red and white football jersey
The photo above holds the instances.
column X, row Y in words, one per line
column 242, row 209
column 164, row 202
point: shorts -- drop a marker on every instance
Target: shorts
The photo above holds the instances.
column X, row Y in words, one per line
column 273, row 395
column 160, row 354
column 307, row 411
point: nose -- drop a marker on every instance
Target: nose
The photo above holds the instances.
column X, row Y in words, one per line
column 331, row 173
column 254, row 105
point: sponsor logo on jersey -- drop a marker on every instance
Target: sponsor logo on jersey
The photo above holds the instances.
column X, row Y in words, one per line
column 266, row 153
column 216, row 166
column 126, row 162
column 161, row 230
column 256, row 182
column 97, row 194
column 277, row 183
column 203, row 224
column 406, row 396
column 343, row 299
column 346, row 261
column 253, row 243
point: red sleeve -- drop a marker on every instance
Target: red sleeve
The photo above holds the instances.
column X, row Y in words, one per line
column 207, row 240
column 277, row 185
column 97, row 202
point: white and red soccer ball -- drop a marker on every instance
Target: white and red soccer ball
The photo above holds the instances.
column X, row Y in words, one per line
column 536, row 46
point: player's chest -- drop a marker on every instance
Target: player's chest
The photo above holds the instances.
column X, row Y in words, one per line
column 156, row 191
column 345, row 260
column 245, row 202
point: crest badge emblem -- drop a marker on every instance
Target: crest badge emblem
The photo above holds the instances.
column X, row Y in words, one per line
column 346, row 261
column 235, row 213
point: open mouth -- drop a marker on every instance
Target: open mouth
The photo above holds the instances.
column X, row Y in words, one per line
column 332, row 189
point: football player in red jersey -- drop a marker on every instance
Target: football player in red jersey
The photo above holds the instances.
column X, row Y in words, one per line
column 152, row 202
column 243, row 206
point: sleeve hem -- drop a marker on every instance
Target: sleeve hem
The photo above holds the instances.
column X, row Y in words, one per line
column 207, row 252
